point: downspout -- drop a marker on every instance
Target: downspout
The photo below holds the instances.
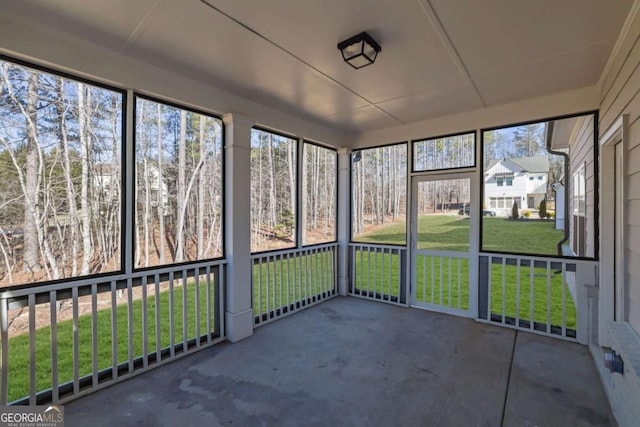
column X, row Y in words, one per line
column 566, row 179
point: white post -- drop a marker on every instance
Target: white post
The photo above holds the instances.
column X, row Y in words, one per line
column 586, row 278
column 344, row 219
column 239, row 312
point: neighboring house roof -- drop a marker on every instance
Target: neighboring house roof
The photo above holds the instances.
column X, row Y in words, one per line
column 532, row 164
column 527, row 164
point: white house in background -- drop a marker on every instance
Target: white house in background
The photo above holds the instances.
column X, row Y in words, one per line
column 522, row 180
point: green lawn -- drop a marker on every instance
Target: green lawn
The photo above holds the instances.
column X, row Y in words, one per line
column 18, row 381
column 451, row 233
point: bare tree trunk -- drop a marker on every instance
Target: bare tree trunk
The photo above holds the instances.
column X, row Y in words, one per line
column 71, row 193
column 292, row 178
column 161, row 191
column 181, row 196
column 272, row 190
column 202, row 182
column 84, row 134
column 305, row 190
column 31, row 249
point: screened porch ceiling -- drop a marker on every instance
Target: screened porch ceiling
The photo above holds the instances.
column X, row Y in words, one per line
column 438, row 57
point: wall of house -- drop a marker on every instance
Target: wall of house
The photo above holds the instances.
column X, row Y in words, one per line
column 620, row 95
column 582, row 149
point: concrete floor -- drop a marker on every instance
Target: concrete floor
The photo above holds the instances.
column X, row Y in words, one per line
column 350, row 362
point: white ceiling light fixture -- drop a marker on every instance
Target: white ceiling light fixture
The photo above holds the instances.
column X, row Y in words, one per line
column 360, row 50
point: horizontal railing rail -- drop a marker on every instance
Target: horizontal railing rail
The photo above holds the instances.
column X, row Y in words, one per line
column 63, row 340
column 287, row 281
column 378, row 272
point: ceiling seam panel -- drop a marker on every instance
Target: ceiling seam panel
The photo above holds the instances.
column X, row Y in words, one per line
column 142, row 25
column 308, row 65
column 431, row 14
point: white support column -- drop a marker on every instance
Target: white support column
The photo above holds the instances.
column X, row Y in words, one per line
column 237, row 145
column 586, row 279
column 344, row 219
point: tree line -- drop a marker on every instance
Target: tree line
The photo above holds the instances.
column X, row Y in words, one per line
column 274, row 192
column 61, row 179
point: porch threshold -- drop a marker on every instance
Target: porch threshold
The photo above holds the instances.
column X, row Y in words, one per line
column 351, row 362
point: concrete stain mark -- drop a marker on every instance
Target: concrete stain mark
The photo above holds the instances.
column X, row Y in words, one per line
column 330, row 313
column 238, row 402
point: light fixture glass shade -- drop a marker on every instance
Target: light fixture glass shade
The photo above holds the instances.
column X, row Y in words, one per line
column 360, row 50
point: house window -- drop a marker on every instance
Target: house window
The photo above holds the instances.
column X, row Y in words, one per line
column 500, row 181
column 61, row 176
column 578, row 235
column 531, row 178
column 178, row 210
column 540, row 178
column 509, row 180
column 446, row 152
column 379, row 194
column 273, row 190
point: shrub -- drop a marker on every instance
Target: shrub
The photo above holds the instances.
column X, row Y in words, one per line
column 526, row 214
column 542, row 210
column 514, row 211
column 551, row 214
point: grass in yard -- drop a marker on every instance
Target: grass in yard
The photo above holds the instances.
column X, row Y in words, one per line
column 18, row 381
column 528, row 237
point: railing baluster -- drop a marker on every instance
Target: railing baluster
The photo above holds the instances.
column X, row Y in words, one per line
column 145, row 323
column 518, row 292
column 361, row 285
column 280, row 265
column 114, row 332
column 489, row 285
column 32, row 349
column 259, row 287
column 172, row 342
column 504, row 289
column 130, row 323
column 432, row 285
column 207, row 293
column 375, row 272
column 268, row 294
column 424, row 277
column 94, row 335
column 156, row 287
column 196, row 278
column 53, row 312
column 441, row 280
column 531, row 295
column 548, row 297
column 4, row 343
column 76, row 341
column 459, row 281
column 564, row 299
column 450, row 260
column 185, row 312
